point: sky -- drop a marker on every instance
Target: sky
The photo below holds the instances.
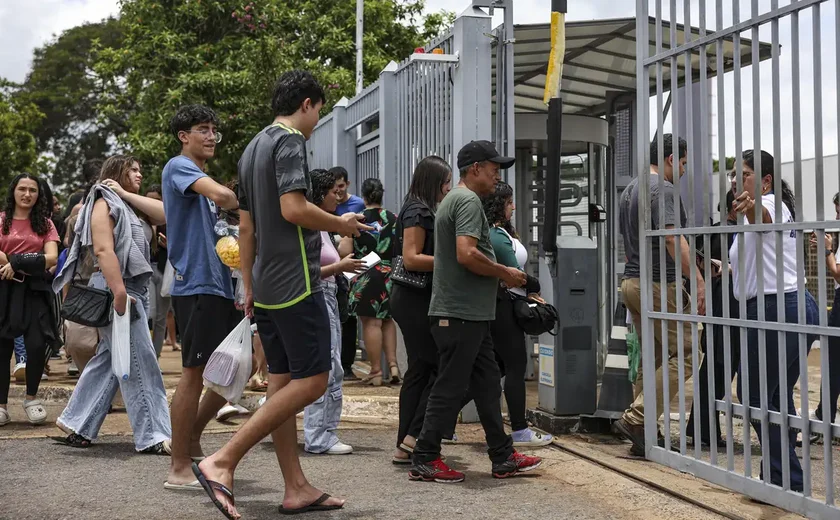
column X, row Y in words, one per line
column 19, row 36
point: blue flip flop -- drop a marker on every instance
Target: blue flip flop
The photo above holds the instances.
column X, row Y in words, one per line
column 210, row 487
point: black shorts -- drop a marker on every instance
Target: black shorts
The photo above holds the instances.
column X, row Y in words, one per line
column 296, row 339
column 204, row 321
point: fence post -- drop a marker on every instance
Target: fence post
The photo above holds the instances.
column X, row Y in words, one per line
column 471, row 93
column 388, row 135
column 343, row 142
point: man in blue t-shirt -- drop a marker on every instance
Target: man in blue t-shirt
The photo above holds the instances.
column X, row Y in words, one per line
column 346, row 203
column 202, row 293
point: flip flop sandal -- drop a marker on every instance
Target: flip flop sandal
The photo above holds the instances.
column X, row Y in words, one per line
column 400, row 462
column 192, row 486
column 313, row 507
column 210, row 487
column 74, row 440
column 35, row 411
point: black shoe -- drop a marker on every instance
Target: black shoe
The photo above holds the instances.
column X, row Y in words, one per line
column 349, row 375
column 160, row 448
column 634, row 433
column 515, row 464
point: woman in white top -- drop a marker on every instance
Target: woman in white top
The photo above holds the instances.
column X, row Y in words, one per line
column 508, row 337
column 786, row 295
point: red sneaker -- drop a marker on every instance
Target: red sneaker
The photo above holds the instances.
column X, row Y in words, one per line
column 516, row 463
column 435, row 471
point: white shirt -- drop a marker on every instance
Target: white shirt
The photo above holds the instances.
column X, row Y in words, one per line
column 521, row 257
column 768, row 257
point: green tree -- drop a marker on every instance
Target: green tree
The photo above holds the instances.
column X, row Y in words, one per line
column 18, row 121
column 226, row 54
column 65, row 87
column 730, row 164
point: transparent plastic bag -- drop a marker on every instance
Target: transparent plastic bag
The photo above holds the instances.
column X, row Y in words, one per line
column 227, row 247
column 121, row 343
column 168, row 280
column 229, row 368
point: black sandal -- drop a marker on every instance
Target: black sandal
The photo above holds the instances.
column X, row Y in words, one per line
column 74, row 440
column 314, row 506
column 210, row 487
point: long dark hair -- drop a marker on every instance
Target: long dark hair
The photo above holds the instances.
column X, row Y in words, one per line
column 768, row 168
column 39, row 216
column 429, row 177
column 494, row 207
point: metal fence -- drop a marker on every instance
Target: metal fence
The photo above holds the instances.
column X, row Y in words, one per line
column 774, row 340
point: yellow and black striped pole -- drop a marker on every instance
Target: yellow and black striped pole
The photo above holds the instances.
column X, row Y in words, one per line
column 554, row 130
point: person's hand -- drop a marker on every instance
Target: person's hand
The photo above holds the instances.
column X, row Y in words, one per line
column 248, row 304
column 352, row 225
column 120, row 301
column 744, row 203
column 828, row 242
column 161, row 240
column 701, row 298
column 6, row 272
column 514, row 277
column 115, row 186
column 536, row 297
column 348, row 264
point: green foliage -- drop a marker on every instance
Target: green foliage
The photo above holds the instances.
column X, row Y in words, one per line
column 730, row 164
column 18, row 121
column 226, row 54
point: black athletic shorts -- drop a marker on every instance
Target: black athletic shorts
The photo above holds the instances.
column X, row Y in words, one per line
column 296, row 339
column 204, row 321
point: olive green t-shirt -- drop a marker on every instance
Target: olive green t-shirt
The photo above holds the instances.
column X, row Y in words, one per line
column 457, row 292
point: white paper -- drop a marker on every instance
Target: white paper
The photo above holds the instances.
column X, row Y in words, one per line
column 370, row 260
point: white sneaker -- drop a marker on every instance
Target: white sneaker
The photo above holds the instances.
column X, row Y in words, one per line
column 261, row 401
column 340, row 449
column 4, row 417
column 241, row 410
column 532, row 439
column 20, row 372
column 73, row 370
column 227, row 411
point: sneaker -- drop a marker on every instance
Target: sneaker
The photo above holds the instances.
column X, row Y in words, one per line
column 340, row 449
column 435, row 471
column 73, row 370
column 20, row 372
column 44, row 377
column 4, row 417
column 229, row 411
column 451, row 440
column 632, row 432
column 528, row 438
column 350, row 376
column 161, row 448
column 515, row 464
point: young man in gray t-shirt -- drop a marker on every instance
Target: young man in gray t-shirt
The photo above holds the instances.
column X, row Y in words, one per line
column 465, row 283
column 631, row 425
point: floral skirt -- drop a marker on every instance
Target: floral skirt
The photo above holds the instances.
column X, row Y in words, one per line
column 370, row 294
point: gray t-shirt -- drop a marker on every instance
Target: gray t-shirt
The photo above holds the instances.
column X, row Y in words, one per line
column 457, row 292
column 288, row 263
column 629, row 223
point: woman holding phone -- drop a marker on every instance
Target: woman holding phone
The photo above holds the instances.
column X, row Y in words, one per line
column 28, row 248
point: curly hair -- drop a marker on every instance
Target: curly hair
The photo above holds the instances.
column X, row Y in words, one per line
column 322, row 182
column 190, row 115
column 494, row 207
column 372, row 191
column 39, row 216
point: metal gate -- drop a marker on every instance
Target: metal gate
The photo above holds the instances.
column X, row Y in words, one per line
column 774, row 340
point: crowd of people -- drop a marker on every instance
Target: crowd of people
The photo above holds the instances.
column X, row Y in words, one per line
column 735, row 280
column 445, row 270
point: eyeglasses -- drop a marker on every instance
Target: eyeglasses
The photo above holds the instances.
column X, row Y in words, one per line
column 734, row 175
column 205, row 132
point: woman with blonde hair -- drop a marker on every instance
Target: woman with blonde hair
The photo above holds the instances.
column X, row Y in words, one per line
column 108, row 224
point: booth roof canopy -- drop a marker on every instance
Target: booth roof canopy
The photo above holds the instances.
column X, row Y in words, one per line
column 600, row 59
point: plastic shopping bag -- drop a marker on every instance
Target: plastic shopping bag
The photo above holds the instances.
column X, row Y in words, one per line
column 121, row 343
column 634, row 354
column 168, row 280
column 229, row 368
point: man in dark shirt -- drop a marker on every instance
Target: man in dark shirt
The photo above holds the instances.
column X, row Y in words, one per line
column 280, row 247
column 631, row 425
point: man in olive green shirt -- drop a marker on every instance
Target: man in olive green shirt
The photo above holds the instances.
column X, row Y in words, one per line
column 465, row 281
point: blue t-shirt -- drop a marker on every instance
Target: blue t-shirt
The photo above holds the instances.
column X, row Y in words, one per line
column 352, row 205
column 190, row 238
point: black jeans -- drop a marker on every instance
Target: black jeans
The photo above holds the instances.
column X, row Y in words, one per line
column 512, row 356
column 722, row 379
column 833, row 363
column 410, row 309
column 36, row 357
column 349, row 343
column 467, row 361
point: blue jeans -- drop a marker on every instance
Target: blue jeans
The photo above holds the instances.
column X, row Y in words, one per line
column 20, row 350
column 774, row 392
column 320, row 419
column 143, row 392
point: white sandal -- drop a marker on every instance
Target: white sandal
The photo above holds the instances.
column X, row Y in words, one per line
column 35, row 411
column 4, row 417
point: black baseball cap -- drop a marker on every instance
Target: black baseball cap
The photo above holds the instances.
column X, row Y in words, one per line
column 480, row 151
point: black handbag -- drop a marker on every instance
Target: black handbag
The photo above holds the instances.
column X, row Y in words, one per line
column 402, row 276
column 87, row 306
column 533, row 317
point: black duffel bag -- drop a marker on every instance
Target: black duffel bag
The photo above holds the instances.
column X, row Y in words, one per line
column 533, row 317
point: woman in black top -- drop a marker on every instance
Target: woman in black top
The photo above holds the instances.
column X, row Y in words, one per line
column 415, row 241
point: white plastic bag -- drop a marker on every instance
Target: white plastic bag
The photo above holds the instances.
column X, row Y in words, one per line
column 168, row 280
column 229, row 368
column 121, row 343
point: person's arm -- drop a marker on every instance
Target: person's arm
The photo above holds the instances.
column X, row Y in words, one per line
column 151, row 207
column 745, row 204
column 345, row 247
column 102, row 230
column 3, row 258
column 247, row 255
column 470, row 257
column 300, row 212
column 50, row 254
column 220, row 195
column 503, row 248
column 687, row 261
column 348, row 264
column 413, row 259
column 830, row 259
